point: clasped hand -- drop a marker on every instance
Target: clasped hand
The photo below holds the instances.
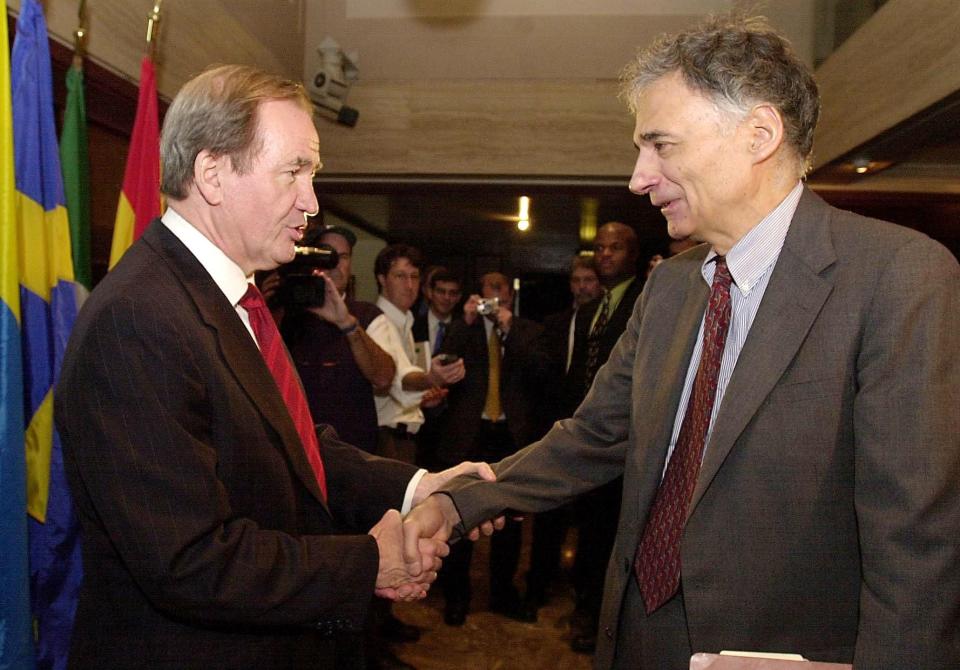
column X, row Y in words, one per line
column 400, row 577
column 411, row 551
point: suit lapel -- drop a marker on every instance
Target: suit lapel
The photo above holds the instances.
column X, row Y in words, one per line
column 793, row 299
column 239, row 350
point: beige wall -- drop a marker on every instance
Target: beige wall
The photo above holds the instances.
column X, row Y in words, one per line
column 494, row 88
column 520, row 87
column 193, row 35
column 901, row 61
column 515, row 39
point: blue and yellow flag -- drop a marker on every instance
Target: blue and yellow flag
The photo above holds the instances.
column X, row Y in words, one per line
column 16, row 650
column 47, row 313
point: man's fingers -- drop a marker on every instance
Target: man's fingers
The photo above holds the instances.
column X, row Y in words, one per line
column 411, row 548
column 388, row 594
column 486, row 472
column 486, row 528
column 483, row 470
column 439, row 547
column 431, row 552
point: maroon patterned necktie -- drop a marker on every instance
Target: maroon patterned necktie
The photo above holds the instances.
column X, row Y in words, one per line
column 275, row 355
column 657, row 563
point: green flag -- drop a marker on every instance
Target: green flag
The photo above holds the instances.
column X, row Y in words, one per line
column 75, row 160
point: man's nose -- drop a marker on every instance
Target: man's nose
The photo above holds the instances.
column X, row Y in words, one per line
column 307, row 198
column 645, row 175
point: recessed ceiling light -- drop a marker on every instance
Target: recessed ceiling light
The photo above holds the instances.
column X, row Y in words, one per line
column 861, row 165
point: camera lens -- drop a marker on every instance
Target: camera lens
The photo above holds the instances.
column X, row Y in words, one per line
column 301, row 287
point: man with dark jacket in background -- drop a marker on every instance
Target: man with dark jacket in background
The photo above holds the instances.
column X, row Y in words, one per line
column 491, row 413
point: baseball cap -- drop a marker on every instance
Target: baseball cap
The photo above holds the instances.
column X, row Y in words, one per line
column 314, row 234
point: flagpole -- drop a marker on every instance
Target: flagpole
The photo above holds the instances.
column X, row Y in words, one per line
column 80, row 36
column 153, row 29
column 75, row 161
column 139, row 201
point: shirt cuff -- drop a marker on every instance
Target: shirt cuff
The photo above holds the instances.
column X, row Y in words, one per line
column 411, row 489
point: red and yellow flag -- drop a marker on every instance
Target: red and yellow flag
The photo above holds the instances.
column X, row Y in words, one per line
column 140, row 197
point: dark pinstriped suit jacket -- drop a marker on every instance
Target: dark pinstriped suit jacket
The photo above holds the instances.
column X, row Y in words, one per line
column 826, row 516
column 205, row 542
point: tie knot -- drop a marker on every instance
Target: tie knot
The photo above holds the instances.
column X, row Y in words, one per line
column 252, row 299
column 721, row 273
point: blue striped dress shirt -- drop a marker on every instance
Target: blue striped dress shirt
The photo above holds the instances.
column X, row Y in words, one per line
column 751, row 262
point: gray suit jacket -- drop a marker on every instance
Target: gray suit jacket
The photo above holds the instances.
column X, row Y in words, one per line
column 826, row 515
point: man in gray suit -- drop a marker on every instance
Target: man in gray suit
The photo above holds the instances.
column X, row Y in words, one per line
column 782, row 405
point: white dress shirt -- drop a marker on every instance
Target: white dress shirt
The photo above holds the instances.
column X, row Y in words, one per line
column 393, row 332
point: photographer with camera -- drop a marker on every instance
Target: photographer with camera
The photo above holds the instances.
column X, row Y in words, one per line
column 325, row 332
column 491, row 413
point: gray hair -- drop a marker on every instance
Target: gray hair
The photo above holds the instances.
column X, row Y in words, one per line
column 736, row 61
column 218, row 111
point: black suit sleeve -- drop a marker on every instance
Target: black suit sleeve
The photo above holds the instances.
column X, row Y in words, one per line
column 361, row 486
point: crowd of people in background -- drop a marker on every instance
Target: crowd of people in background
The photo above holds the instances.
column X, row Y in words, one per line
column 778, row 403
column 434, row 374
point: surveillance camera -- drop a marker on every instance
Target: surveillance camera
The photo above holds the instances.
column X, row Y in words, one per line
column 335, row 71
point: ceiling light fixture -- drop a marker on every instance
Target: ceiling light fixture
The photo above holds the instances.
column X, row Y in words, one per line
column 861, row 165
column 588, row 221
column 523, row 217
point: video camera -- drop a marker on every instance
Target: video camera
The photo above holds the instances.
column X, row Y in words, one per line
column 301, row 288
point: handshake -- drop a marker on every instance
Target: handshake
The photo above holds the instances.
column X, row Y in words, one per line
column 412, row 549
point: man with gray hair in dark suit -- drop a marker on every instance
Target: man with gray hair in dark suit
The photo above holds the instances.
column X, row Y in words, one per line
column 782, row 405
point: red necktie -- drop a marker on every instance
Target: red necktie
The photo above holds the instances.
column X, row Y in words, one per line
column 657, row 563
column 275, row 355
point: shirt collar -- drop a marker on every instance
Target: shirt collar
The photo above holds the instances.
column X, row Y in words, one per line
column 226, row 274
column 400, row 319
column 433, row 320
column 755, row 252
column 616, row 293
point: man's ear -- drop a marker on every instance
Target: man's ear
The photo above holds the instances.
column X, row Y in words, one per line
column 381, row 280
column 766, row 132
column 207, row 171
